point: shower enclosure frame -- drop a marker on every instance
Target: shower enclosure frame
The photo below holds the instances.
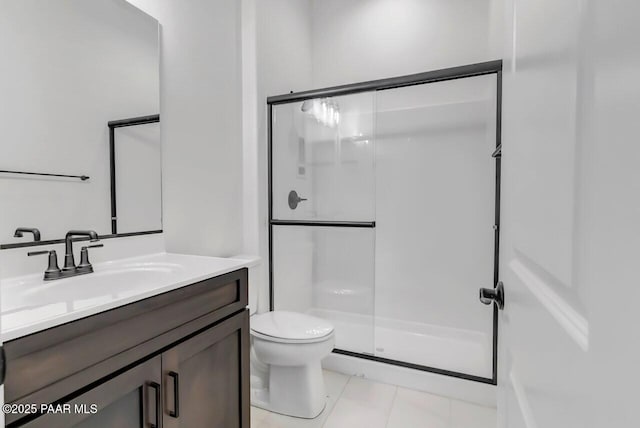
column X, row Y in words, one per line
column 470, row 70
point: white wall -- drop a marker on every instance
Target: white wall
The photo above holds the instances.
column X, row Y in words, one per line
column 359, row 40
column 68, row 67
column 283, row 63
column 201, row 124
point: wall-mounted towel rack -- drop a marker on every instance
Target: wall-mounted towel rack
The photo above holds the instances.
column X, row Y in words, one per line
column 81, row 177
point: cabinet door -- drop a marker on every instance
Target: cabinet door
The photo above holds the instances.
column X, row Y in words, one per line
column 206, row 378
column 129, row 400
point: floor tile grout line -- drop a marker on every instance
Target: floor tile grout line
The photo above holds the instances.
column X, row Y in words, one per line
column 393, row 402
column 395, row 399
column 337, row 399
column 343, row 388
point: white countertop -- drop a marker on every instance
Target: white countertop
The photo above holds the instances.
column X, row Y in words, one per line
column 29, row 304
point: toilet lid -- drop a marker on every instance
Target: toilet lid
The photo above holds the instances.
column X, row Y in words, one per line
column 290, row 325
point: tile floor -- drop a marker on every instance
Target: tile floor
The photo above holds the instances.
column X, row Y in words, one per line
column 355, row 402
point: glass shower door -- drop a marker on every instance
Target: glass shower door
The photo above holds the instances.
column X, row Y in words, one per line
column 384, row 216
column 322, row 213
column 435, row 216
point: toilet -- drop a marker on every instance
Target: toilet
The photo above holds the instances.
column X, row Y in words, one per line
column 286, row 351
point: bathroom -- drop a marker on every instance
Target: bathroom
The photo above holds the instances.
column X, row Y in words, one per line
column 319, row 213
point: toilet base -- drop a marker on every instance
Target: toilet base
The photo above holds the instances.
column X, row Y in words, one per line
column 293, row 391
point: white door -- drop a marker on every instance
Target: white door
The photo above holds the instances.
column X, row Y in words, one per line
column 569, row 335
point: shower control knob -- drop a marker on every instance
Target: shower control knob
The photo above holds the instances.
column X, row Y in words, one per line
column 496, row 295
column 294, row 199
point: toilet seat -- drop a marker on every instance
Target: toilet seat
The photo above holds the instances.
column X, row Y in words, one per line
column 290, row 327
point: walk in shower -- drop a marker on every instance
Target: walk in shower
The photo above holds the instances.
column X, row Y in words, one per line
column 384, row 215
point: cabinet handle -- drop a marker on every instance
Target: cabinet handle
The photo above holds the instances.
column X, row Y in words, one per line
column 175, row 413
column 156, row 387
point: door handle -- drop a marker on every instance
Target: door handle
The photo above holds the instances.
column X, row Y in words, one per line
column 175, row 413
column 156, row 387
column 495, row 295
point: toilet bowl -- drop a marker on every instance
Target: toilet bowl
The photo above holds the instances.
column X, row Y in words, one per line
column 286, row 375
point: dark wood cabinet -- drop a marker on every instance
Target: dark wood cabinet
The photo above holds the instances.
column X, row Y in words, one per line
column 175, row 374
column 130, row 400
column 205, row 378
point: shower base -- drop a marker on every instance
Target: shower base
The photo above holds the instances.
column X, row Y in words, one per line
column 451, row 349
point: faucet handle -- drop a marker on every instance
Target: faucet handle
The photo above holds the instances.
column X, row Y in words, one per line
column 85, row 265
column 38, row 253
column 53, row 271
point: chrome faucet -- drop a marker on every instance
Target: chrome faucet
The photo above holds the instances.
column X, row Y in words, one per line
column 70, row 268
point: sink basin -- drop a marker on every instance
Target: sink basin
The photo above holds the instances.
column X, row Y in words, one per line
column 146, row 266
column 31, row 304
column 116, row 280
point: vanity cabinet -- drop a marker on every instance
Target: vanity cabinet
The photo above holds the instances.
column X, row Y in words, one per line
column 201, row 382
column 129, row 400
column 180, row 359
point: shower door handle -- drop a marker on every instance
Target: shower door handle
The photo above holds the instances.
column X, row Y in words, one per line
column 294, row 199
column 495, row 295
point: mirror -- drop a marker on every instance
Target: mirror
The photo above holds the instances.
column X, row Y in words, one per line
column 79, row 81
